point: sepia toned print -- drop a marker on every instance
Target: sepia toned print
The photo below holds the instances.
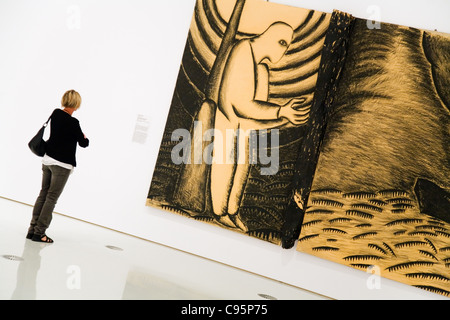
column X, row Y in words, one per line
column 380, row 196
column 240, row 108
column 315, row 131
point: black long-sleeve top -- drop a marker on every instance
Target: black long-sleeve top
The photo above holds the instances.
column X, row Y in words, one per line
column 65, row 133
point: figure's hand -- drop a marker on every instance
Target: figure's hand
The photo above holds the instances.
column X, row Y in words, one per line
column 294, row 112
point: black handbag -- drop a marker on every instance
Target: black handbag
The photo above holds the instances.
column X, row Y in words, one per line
column 37, row 144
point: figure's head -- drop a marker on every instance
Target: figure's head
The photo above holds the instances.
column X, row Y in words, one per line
column 71, row 99
column 276, row 40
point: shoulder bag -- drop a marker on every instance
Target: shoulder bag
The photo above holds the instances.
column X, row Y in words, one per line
column 37, row 144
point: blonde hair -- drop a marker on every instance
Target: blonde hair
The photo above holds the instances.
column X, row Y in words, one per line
column 71, row 99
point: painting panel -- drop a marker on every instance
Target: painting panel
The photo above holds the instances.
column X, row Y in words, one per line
column 380, row 201
column 238, row 115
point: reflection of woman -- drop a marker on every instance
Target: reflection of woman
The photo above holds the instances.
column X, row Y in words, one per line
column 243, row 104
column 57, row 164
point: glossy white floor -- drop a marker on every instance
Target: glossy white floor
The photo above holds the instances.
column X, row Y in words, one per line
column 91, row 262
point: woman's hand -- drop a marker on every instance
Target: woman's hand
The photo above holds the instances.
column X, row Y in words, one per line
column 294, row 113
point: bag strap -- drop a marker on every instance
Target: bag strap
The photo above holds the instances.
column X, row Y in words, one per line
column 46, row 123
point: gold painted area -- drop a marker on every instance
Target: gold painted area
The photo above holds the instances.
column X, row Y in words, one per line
column 383, row 229
column 259, row 14
column 248, row 65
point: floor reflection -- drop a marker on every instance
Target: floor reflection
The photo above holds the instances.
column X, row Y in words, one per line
column 141, row 285
column 28, row 270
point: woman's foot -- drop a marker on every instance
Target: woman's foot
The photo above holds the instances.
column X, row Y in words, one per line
column 42, row 238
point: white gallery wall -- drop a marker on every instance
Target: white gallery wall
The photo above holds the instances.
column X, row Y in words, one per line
column 123, row 56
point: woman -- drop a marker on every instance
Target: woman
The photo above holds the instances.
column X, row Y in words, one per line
column 57, row 163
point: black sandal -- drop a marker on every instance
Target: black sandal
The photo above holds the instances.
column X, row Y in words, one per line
column 30, row 235
column 39, row 238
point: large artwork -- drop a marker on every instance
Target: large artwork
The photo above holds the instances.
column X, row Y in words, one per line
column 239, row 112
column 380, row 196
column 319, row 131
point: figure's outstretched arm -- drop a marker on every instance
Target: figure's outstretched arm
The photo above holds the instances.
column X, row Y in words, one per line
column 242, row 89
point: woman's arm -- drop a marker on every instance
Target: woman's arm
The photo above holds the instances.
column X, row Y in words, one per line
column 81, row 138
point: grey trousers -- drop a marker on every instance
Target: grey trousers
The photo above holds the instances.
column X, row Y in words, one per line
column 54, row 179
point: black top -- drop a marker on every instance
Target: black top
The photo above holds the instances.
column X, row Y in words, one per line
column 65, row 133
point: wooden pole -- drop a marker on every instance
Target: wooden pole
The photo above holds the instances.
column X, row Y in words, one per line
column 212, row 87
